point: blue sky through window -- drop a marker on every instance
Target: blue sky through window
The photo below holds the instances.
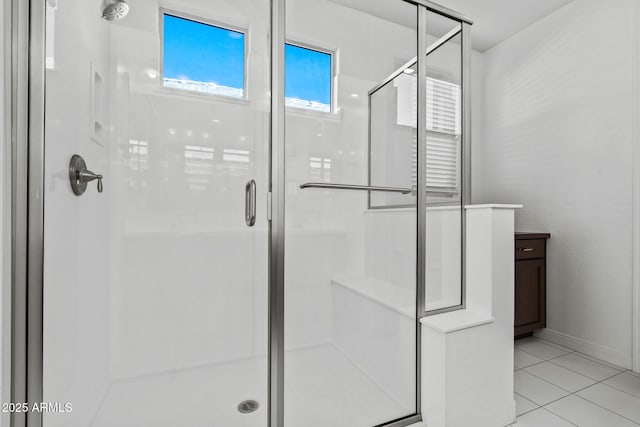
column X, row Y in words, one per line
column 210, row 59
column 307, row 74
column 203, row 53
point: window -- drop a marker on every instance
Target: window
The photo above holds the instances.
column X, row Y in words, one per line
column 210, row 59
column 308, row 75
column 443, row 138
column 443, row 132
column 202, row 57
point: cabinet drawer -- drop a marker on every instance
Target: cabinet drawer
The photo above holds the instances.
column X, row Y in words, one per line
column 528, row 249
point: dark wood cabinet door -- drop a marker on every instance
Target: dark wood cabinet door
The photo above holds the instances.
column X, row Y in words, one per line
column 530, row 295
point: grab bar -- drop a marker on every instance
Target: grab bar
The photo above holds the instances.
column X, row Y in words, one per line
column 355, row 187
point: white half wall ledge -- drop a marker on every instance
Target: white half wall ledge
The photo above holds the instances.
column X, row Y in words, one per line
column 435, row 208
column 454, row 321
column 493, row 206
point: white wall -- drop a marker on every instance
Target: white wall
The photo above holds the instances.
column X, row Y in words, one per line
column 180, row 246
column 558, row 139
column 76, row 257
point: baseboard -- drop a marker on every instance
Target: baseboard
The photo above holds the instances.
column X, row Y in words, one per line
column 586, row 347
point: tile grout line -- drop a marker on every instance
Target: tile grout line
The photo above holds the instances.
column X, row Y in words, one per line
column 607, row 409
column 597, row 381
column 602, row 381
column 542, row 361
column 560, row 387
column 560, row 416
column 528, row 366
column 585, row 399
column 619, row 389
column 600, row 361
column 547, row 343
column 553, row 401
column 555, row 385
column 577, row 373
column 531, row 410
column 554, row 357
column 548, row 382
column 613, row 388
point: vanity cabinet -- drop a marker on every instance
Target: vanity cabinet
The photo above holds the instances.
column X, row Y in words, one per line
column 530, row 282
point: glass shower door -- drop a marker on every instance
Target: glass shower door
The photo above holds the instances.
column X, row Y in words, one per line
column 350, row 271
column 155, row 289
column 443, row 156
column 445, row 172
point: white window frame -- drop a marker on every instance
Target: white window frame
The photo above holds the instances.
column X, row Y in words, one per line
column 200, row 20
column 333, row 97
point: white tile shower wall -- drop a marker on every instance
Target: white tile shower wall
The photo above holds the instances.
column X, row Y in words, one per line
column 389, row 256
column 77, row 259
column 165, row 227
column 390, row 243
column 365, row 57
column 368, row 49
column 557, row 138
column 189, row 276
column 160, row 224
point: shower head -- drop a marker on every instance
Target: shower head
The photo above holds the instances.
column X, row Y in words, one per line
column 114, row 10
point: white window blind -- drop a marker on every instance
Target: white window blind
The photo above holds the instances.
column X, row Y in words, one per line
column 443, row 137
column 443, row 132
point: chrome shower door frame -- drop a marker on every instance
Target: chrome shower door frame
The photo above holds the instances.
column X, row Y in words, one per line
column 27, row 213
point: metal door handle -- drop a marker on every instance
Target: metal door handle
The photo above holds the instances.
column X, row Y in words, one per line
column 526, row 249
column 250, row 203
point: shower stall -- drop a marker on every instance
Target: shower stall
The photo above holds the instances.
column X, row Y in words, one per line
column 236, row 211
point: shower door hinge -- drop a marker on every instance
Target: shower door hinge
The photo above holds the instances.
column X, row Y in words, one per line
column 269, row 205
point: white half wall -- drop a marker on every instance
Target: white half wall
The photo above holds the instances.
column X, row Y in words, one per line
column 558, row 116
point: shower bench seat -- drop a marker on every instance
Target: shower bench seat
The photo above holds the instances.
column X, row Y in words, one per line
column 395, row 297
column 374, row 325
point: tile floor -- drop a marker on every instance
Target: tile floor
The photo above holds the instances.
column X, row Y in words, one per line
column 558, row 387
